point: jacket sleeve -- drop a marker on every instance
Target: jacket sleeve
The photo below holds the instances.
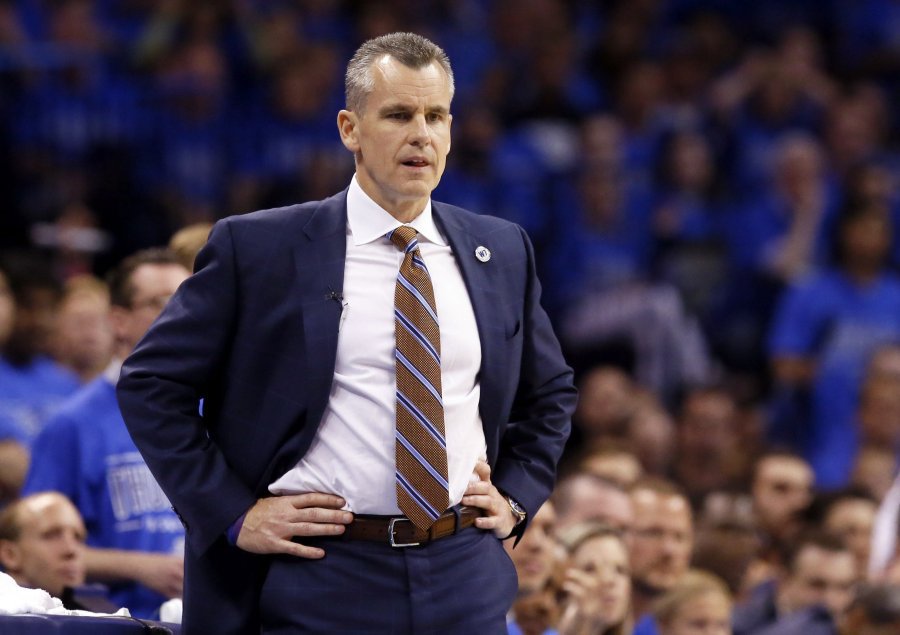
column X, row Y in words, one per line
column 163, row 383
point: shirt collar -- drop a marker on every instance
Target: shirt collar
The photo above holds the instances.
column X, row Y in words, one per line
column 368, row 221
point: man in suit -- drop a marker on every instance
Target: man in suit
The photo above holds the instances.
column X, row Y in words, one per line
column 365, row 363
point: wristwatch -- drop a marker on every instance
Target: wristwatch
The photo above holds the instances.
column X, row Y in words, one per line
column 517, row 510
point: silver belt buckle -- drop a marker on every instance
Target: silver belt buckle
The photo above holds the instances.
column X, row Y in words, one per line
column 391, row 524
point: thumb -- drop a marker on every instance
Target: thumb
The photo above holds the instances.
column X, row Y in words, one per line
column 483, row 470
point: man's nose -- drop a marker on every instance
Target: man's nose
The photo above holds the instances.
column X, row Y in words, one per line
column 71, row 544
column 419, row 133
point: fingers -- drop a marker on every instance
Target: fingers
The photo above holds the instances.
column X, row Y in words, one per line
column 300, row 551
column 271, row 523
column 483, row 470
column 314, row 499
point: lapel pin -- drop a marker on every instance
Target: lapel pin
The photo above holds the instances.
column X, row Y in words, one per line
column 482, row 253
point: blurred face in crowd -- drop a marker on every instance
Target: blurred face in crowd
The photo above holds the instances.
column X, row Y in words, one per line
column 152, row 285
column 819, row 576
column 781, row 488
column 585, row 498
column 49, row 551
column 706, row 614
column 662, row 539
column 35, row 324
column 707, row 425
column 7, row 310
column 852, row 520
column 651, row 432
column 605, row 402
column 85, row 333
column 866, row 239
column 605, row 561
column 622, row 468
column 727, row 539
column 690, row 162
column 401, row 137
column 879, row 412
column 874, row 469
column 535, row 555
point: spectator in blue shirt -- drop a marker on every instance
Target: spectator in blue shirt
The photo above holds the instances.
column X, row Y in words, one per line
column 826, row 327
column 32, row 385
column 135, row 539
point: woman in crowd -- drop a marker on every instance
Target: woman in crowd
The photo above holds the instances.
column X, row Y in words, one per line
column 700, row 604
column 596, row 587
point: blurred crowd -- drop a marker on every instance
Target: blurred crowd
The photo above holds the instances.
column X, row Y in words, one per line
column 710, row 187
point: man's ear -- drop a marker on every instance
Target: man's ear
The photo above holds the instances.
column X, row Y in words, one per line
column 348, row 127
column 449, row 126
column 10, row 556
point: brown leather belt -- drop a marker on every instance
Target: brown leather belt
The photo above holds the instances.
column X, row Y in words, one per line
column 398, row 531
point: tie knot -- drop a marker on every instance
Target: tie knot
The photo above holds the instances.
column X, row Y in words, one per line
column 403, row 237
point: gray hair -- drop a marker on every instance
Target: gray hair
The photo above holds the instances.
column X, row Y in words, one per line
column 411, row 50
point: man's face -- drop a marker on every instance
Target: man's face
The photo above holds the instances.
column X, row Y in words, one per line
column 707, row 427
column 820, row 577
column 783, row 486
column 662, row 539
column 152, row 286
column 35, row 323
column 49, row 553
column 535, row 555
column 623, row 469
column 85, row 334
column 852, row 520
column 597, row 502
column 401, row 138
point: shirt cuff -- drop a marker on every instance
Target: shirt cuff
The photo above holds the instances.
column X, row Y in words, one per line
column 235, row 530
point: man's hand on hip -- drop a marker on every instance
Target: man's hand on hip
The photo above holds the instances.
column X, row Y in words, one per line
column 485, row 496
column 271, row 523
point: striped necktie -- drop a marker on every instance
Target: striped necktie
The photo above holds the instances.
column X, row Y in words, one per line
column 421, row 447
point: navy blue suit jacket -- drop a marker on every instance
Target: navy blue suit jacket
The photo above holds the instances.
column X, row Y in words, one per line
column 254, row 334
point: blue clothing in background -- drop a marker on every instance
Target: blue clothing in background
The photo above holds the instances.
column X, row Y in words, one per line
column 513, row 629
column 646, row 626
column 757, row 611
column 833, row 320
column 30, row 394
column 85, row 452
column 814, row 620
column 10, row 431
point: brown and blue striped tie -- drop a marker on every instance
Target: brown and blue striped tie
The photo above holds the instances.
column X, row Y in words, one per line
column 421, row 446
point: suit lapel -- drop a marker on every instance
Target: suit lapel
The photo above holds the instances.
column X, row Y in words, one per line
column 319, row 269
column 479, row 278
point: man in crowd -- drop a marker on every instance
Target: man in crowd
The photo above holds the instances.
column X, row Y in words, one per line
column 582, row 497
column 782, row 489
column 135, row 539
column 42, row 543
column 662, row 541
column 535, row 558
column 809, row 596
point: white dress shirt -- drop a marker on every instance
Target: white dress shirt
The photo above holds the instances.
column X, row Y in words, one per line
column 352, row 454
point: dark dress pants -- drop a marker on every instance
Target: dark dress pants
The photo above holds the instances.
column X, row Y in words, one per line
column 460, row 584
